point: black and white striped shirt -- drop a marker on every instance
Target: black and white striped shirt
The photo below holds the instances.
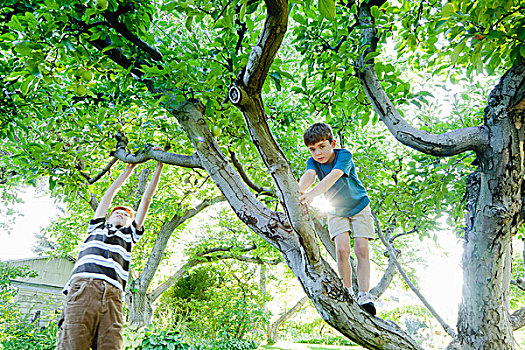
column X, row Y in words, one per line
column 106, row 253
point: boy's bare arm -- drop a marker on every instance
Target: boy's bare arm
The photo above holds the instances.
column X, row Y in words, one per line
column 148, row 196
column 306, row 180
column 107, row 198
column 322, row 186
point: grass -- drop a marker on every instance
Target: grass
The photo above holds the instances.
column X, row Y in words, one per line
column 300, row 346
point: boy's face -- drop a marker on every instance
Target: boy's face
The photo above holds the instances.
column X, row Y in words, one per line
column 323, row 151
column 120, row 217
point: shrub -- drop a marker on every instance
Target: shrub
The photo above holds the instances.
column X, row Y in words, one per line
column 163, row 340
column 233, row 344
column 227, row 342
column 204, row 305
column 31, row 337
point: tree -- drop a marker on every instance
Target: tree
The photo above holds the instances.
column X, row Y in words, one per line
column 107, row 58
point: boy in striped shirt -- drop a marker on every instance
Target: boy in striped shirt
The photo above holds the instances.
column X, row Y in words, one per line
column 92, row 316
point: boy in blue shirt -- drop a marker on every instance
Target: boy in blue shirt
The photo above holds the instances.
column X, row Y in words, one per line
column 350, row 206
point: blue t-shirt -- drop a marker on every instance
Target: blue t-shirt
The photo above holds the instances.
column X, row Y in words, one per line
column 348, row 195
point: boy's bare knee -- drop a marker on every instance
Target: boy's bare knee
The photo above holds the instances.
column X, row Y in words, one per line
column 343, row 252
column 361, row 249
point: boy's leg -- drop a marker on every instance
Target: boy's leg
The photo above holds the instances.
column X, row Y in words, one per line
column 79, row 317
column 342, row 249
column 363, row 229
column 363, row 263
column 110, row 328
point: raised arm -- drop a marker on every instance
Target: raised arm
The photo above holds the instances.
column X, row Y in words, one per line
column 107, row 198
column 148, row 196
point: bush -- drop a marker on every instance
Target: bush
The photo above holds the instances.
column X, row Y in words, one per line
column 204, row 305
column 227, row 342
column 163, row 340
column 11, row 318
column 32, row 338
column 234, row 344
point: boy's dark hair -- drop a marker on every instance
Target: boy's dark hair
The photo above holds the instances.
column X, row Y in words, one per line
column 318, row 132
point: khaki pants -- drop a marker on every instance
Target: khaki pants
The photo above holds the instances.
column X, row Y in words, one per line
column 92, row 316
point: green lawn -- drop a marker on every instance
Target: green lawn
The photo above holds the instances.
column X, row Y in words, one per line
column 299, row 346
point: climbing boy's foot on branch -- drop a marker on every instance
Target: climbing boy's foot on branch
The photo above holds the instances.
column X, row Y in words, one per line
column 366, row 301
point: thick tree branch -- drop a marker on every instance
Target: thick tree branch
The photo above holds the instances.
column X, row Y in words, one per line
column 121, row 28
column 149, row 153
column 246, row 95
column 117, row 56
column 261, row 57
column 272, row 226
column 517, row 319
column 447, row 144
column 274, row 327
column 299, row 247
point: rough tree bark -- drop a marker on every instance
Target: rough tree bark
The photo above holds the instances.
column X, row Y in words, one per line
column 494, row 194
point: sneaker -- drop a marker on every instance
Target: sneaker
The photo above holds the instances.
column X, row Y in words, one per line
column 366, row 301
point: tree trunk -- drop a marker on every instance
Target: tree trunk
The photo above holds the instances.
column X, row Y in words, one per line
column 494, row 193
column 494, row 205
column 139, row 305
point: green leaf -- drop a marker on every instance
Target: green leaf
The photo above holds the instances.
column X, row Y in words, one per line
column 371, row 55
column 375, row 11
column 188, row 22
column 365, row 118
column 447, row 10
column 327, row 9
column 455, row 54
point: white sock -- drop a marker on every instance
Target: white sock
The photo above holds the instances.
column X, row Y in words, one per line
column 351, row 291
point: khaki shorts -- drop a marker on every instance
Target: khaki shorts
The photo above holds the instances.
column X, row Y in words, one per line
column 361, row 224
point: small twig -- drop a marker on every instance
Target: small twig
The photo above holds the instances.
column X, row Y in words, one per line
column 245, row 178
column 90, row 180
column 223, row 9
column 518, row 282
column 402, row 234
column 445, row 326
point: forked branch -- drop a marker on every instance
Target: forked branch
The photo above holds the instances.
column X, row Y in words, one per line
column 447, row 144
